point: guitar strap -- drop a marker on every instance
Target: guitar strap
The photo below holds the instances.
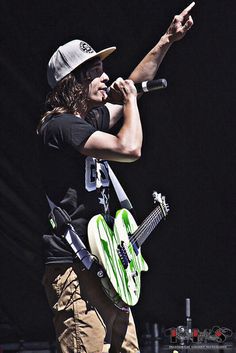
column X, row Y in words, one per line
column 121, row 195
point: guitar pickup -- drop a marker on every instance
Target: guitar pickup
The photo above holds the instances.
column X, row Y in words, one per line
column 123, row 255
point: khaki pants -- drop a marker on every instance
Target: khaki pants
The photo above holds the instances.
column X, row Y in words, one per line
column 85, row 320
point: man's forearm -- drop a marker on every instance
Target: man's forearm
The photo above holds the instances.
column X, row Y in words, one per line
column 130, row 134
column 147, row 68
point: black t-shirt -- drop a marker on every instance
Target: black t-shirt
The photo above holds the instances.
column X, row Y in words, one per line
column 69, row 176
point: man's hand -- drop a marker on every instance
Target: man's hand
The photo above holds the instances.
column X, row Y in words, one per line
column 180, row 24
column 120, row 90
column 114, row 96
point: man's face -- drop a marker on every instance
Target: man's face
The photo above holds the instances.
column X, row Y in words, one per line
column 97, row 79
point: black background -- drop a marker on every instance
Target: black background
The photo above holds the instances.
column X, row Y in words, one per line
column 188, row 154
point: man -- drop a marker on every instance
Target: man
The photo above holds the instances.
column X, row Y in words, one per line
column 74, row 142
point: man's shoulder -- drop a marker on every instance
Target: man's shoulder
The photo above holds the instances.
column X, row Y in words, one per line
column 64, row 118
column 64, row 121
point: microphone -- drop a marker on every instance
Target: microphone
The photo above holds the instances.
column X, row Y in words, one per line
column 146, row 86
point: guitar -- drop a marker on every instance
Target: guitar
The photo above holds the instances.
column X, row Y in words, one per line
column 118, row 251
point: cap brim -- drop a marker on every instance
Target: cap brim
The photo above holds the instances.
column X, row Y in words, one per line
column 102, row 54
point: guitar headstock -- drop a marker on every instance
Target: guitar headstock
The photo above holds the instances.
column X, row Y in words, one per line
column 157, row 197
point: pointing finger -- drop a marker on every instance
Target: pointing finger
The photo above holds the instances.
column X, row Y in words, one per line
column 186, row 11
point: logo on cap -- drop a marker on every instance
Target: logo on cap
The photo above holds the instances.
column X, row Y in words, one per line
column 85, row 47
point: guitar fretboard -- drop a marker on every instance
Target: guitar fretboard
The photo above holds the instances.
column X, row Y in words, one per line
column 147, row 226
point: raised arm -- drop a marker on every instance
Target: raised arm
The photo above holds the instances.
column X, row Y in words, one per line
column 148, row 67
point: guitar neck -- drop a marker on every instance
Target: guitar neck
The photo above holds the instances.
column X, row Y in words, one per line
column 147, row 226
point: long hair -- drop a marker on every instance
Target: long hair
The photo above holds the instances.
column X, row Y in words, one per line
column 68, row 96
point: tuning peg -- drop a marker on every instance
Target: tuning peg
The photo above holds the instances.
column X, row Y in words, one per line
column 154, row 194
column 157, row 197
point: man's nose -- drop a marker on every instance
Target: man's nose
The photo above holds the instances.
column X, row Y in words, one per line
column 104, row 77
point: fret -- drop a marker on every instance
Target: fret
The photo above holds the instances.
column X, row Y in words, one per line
column 150, row 223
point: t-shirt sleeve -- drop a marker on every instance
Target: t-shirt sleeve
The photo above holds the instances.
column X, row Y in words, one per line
column 69, row 130
column 79, row 131
column 82, row 129
column 99, row 118
column 66, row 130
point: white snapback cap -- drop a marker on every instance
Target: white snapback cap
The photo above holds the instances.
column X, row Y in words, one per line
column 69, row 56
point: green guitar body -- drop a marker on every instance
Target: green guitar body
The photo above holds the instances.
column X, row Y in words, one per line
column 121, row 259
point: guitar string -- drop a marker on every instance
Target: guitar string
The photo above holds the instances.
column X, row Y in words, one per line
column 150, row 223
column 147, row 223
column 148, row 228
